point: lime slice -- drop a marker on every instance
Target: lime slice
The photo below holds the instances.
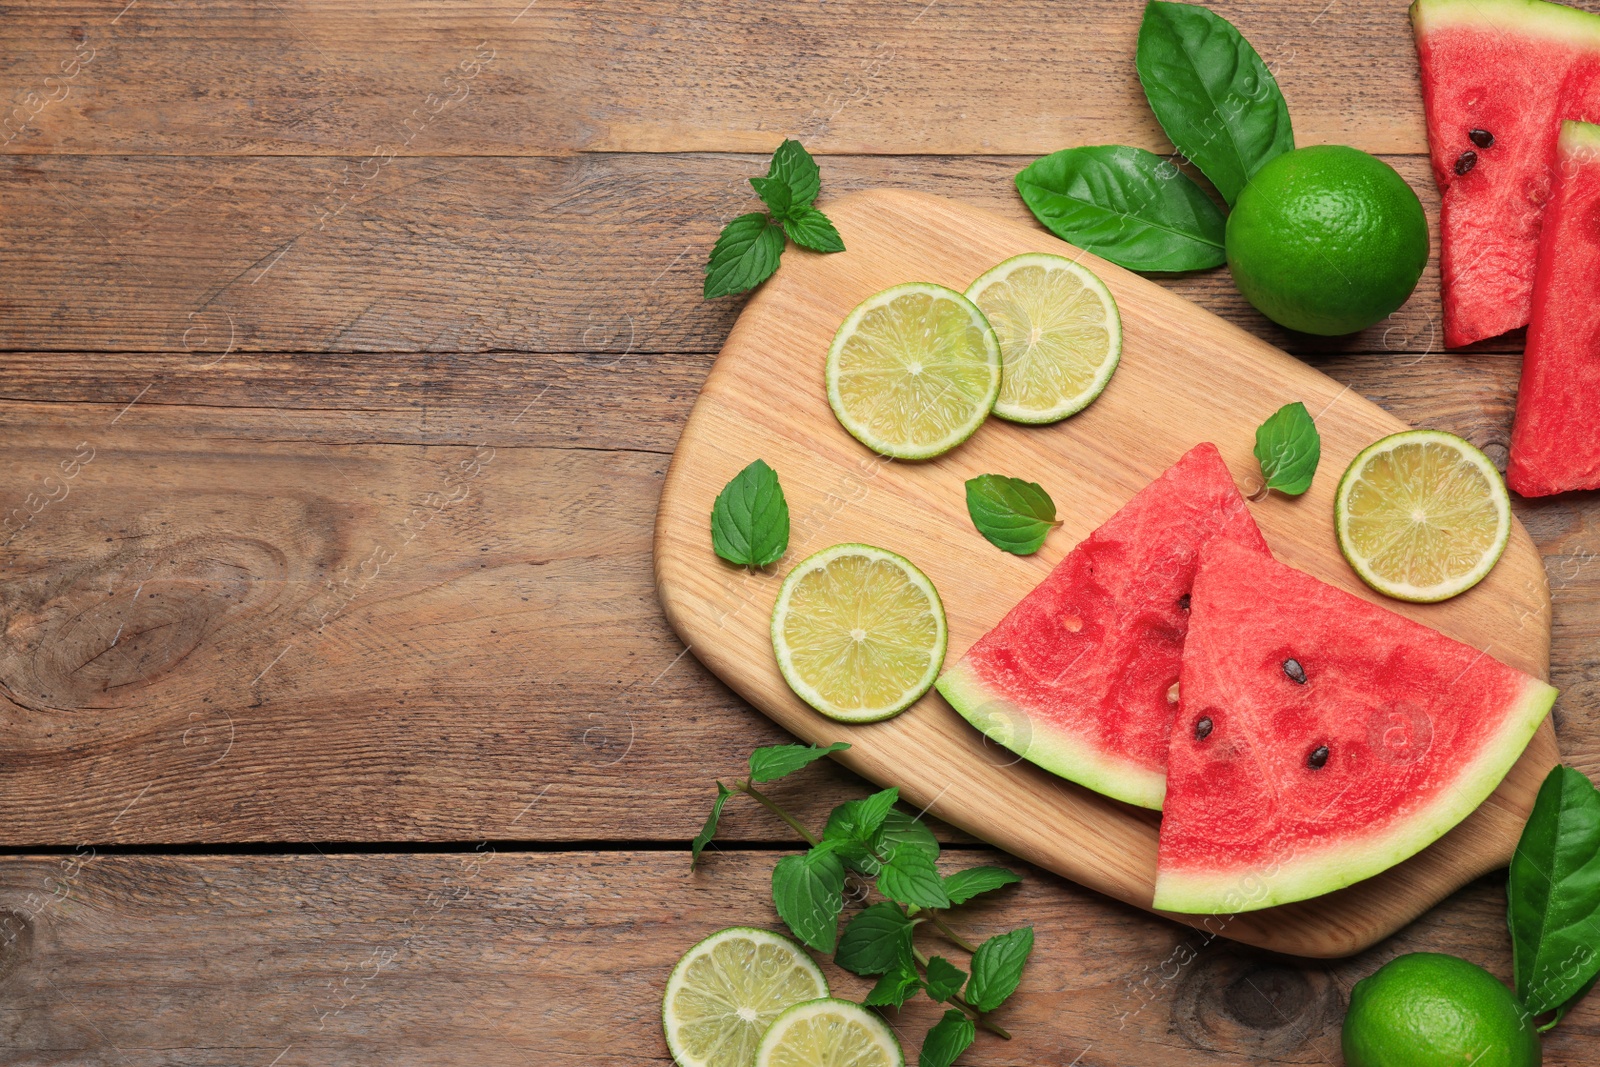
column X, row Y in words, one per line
column 859, row 632
column 1060, row 335
column 1422, row 515
column 913, row 371
column 727, row 990
column 829, row 1033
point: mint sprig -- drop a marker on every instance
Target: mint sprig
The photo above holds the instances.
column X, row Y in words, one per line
column 871, row 838
column 1288, row 447
column 749, row 248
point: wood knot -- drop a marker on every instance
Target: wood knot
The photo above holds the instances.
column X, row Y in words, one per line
column 1257, row 1006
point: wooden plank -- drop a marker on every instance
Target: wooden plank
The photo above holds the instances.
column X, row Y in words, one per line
column 1184, row 377
column 900, row 76
column 491, row 958
column 596, row 254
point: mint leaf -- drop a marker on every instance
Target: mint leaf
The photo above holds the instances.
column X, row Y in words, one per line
column 909, row 877
column 1289, row 449
column 772, row 762
column 1010, row 513
column 806, row 891
column 1214, row 97
column 776, row 194
column 1127, row 205
column 944, row 979
column 745, row 255
column 997, row 968
column 964, row 885
column 876, row 941
column 794, row 166
column 810, row 228
column 709, row 830
column 1553, row 893
column 750, row 518
column 894, row 988
column 859, row 821
column 901, row 830
column 949, row 1038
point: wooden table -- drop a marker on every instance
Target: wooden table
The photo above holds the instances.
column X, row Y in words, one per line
column 343, row 349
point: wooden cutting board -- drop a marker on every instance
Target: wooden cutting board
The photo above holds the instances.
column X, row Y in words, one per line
column 1186, row 376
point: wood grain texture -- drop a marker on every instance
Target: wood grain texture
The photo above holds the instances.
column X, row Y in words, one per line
column 494, row 958
column 1185, row 377
column 590, row 254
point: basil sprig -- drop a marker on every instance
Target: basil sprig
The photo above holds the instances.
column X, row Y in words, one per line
column 1215, row 98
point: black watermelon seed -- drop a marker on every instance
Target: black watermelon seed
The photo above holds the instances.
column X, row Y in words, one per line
column 1202, row 729
column 1481, row 138
column 1318, row 758
column 1466, row 161
column 1183, row 602
column 1296, row 673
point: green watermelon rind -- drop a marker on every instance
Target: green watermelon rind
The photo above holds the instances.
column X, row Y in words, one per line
column 1578, row 137
column 1520, row 18
column 1053, row 749
column 1324, row 870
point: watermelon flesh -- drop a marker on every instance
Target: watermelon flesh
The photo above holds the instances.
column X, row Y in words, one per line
column 1078, row 677
column 1498, row 76
column 1280, row 790
column 1555, row 443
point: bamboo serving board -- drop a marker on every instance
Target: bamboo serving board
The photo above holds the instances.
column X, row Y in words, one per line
column 1186, row 376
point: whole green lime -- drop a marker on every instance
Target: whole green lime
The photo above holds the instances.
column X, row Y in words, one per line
column 1327, row 240
column 1431, row 1010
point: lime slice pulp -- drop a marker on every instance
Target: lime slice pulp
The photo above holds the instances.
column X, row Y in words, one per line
column 829, row 1033
column 1059, row 331
column 913, row 371
column 727, row 990
column 1422, row 515
column 859, row 632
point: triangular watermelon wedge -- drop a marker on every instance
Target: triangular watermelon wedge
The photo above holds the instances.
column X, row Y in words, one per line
column 1078, row 677
column 1555, row 444
column 1321, row 738
column 1498, row 76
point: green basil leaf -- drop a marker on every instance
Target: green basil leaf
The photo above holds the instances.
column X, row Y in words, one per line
column 964, row 885
column 1553, row 893
column 944, row 979
column 910, row 877
column 997, row 968
column 1572, row 1002
column 750, row 518
column 1127, row 205
column 810, row 228
column 1215, row 98
column 776, row 194
column 709, row 830
column 807, row 890
column 949, row 1038
column 793, row 165
column 1288, row 447
column 1010, row 513
column 745, row 255
column 859, row 821
column 876, row 940
column 772, row 762
column 901, row 830
column 894, row 988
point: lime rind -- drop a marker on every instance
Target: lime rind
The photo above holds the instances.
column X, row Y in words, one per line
column 875, row 371
column 1046, row 311
column 1446, row 586
column 901, row 656
column 695, row 1041
column 802, row 1037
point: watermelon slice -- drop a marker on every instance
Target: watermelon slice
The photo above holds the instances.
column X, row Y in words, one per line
column 1498, row 76
column 1555, row 444
column 1321, row 738
column 1078, row 677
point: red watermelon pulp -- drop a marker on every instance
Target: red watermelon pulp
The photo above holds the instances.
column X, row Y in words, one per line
column 1498, row 76
column 1321, row 738
column 1079, row 676
column 1555, row 444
